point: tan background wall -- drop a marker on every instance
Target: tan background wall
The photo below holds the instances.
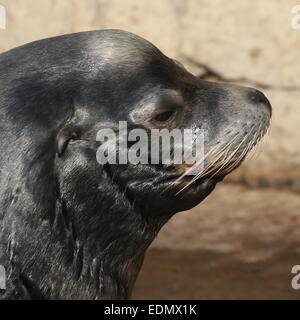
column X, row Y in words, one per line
column 249, row 42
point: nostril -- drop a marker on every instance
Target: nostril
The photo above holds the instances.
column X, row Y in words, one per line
column 257, row 97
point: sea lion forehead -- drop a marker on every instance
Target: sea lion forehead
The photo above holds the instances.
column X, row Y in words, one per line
column 117, row 47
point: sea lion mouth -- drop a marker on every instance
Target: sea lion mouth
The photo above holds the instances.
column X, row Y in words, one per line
column 223, row 158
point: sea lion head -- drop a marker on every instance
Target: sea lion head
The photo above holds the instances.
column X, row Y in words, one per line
column 131, row 81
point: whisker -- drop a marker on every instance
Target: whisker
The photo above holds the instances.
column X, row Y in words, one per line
column 237, row 161
column 198, row 176
column 225, row 157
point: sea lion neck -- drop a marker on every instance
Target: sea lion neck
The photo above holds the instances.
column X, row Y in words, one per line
column 106, row 248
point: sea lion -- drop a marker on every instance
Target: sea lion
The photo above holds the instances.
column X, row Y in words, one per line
column 72, row 228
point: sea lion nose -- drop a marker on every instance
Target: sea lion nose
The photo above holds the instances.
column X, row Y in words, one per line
column 257, row 97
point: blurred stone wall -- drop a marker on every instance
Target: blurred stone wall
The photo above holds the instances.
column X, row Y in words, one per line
column 250, row 42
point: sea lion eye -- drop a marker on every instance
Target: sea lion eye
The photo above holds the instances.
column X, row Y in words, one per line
column 164, row 116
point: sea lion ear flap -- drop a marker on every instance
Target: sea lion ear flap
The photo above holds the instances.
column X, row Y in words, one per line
column 63, row 138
